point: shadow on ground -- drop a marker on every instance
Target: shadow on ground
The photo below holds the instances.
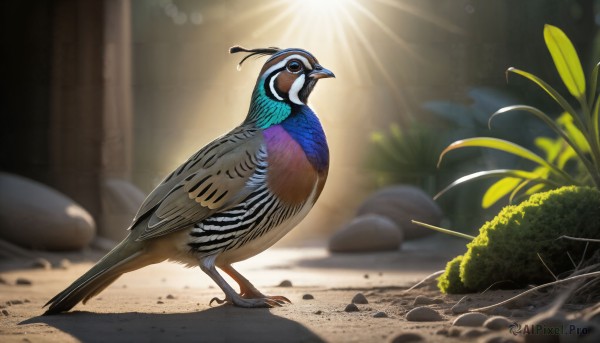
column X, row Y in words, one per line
column 220, row 324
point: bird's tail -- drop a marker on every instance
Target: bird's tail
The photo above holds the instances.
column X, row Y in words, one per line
column 127, row 256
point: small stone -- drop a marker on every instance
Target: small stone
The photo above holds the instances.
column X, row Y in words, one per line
column 460, row 308
column 26, row 300
column 423, row 300
column 367, row 233
column 454, row 332
column 5, row 312
column 351, row 308
column 41, row 263
column 64, row 264
column 14, row 302
column 366, row 276
column 160, row 302
column 380, row 315
column 473, row 319
column 23, row 282
column 423, row 314
column 497, row 323
column 308, row 297
column 170, row 296
column 472, row 333
column 359, row 298
column 285, row 283
column 2, row 281
column 408, row 337
column 442, row 332
column 319, row 312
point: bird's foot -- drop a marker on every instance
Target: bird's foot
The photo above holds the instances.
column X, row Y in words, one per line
column 264, row 302
column 256, row 294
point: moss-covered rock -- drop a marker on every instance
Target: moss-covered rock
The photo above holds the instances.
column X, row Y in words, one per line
column 450, row 282
column 506, row 250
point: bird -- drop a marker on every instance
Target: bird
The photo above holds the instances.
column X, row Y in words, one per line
column 236, row 196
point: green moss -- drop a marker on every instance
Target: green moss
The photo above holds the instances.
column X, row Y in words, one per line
column 505, row 251
column 450, row 282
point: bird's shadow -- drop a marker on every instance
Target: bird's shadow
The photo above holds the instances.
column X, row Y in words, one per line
column 218, row 324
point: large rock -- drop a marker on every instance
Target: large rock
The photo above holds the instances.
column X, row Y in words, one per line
column 402, row 204
column 367, row 233
column 120, row 202
column 36, row 216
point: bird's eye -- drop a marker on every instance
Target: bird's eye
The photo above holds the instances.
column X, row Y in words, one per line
column 294, row 66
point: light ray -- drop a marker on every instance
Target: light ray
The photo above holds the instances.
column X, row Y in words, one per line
column 276, row 20
column 348, row 53
column 400, row 100
column 253, row 13
column 438, row 21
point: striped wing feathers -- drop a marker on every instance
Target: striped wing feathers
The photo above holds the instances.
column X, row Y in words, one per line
column 212, row 180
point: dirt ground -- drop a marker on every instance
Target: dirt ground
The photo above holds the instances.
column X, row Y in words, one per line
column 167, row 302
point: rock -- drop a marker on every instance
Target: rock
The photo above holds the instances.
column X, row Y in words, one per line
column 473, row 319
column 359, row 298
column 285, row 283
column 36, row 216
column 380, row 315
column 408, row 337
column 14, row 302
column 64, row 264
column 318, row 312
column 308, row 297
column 351, row 308
column 160, row 302
column 423, row 314
column 497, row 323
column 423, row 300
column 460, row 308
column 472, row 333
column 367, row 233
column 23, row 282
column 3, row 281
column 170, row 296
column 442, row 332
column 41, row 263
column 5, row 312
column 402, row 204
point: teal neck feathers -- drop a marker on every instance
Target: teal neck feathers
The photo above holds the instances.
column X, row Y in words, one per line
column 265, row 111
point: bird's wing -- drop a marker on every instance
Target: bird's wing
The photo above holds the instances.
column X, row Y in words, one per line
column 211, row 180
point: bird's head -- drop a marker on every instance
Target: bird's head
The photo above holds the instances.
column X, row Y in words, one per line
column 287, row 77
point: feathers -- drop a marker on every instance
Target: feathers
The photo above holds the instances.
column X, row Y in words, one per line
column 253, row 52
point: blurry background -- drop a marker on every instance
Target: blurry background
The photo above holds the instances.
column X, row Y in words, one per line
column 102, row 99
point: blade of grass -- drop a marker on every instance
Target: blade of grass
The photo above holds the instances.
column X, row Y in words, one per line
column 446, row 231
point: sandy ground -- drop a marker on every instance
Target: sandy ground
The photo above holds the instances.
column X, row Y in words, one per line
column 167, row 302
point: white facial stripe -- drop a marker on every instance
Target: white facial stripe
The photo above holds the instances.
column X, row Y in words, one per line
column 296, row 87
column 282, row 63
column 272, row 87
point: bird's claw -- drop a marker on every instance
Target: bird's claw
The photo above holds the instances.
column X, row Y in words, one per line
column 219, row 301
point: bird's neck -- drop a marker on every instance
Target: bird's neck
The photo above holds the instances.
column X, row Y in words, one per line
column 264, row 111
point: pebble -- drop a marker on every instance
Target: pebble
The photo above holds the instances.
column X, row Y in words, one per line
column 460, row 308
column 351, row 308
column 14, row 302
column 41, row 263
column 160, row 302
column 473, row 319
column 170, row 296
column 472, row 333
column 497, row 323
column 380, row 315
column 308, row 297
column 64, row 264
column 442, row 332
column 423, row 314
column 319, row 312
column 408, row 337
column 23, row 282
column 285, row 283
column 3, row 281
column 423, row 300
column 5, row 312
column 359, row 298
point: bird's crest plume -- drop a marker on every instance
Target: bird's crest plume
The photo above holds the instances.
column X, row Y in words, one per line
column 253, row 52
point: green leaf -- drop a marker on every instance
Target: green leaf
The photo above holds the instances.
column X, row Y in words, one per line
column 577, row 139
column 498, row 190
column 553, row 94
column 550, row 146
column 498, row 144
column 596, row 122
column 566, row 60
column 522, row 174
column 593, row 84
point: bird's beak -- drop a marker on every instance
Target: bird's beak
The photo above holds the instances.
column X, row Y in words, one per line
column 320, row 73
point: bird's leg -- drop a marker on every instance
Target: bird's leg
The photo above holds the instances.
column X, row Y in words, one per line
column 247, row 289
column 207, row 265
